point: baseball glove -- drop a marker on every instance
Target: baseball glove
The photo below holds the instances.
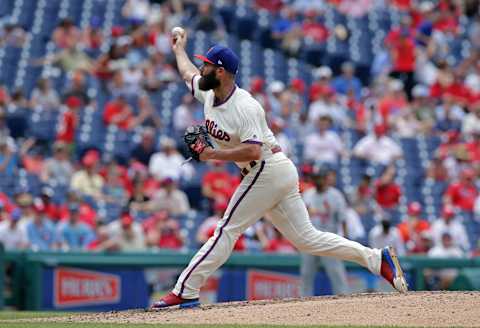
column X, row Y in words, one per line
column 196, row 137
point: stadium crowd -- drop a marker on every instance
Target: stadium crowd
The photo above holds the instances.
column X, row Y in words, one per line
column 412, row 89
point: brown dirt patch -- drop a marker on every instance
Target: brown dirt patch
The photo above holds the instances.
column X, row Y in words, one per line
column 429, row 309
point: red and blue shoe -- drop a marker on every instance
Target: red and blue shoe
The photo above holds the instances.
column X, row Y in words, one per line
column 172, row 301
column 391, row 270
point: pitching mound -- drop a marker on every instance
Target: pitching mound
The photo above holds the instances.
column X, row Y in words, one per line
column 432, row 309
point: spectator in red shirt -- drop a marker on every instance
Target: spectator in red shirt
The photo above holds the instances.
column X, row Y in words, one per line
column 414, row 230
column 403, row 55
column 402, row 52
column 306, row 181
column 364, row 189
column 272, row 6
column 323, row 76
column 473, row 147
column 257, row 89
column 150, row 223
column 447, row 17
column 105, row 67
column 402, row 4
column 313, row 31
column 462, row 194
column 3, row 212
column 169, row 235
column 451, row 143
column 393, row 103
column 69, row 120
column 118, row 112
column 387, row 192
column 102, row 240
column 451, row 84
column 218, row 184
column 32, row 157
column 4, row 96
column 277, row 244
column 405, row 25
column 86, row 213
column 163, row 232
column 51, row 210
column 7, row 204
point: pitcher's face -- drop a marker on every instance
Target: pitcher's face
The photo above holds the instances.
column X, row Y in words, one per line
column 209, row 79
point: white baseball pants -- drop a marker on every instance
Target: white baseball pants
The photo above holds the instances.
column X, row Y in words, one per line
column 271, row 187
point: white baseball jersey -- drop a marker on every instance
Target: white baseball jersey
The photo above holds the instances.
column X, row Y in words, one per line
column 269, row 189
column 240, row 118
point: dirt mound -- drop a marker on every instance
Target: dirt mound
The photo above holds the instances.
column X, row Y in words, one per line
column 432, row 309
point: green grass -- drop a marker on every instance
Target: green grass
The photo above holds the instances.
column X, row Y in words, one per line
column 14, row 315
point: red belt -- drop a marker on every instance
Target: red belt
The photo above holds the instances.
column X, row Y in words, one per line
column 252, row 164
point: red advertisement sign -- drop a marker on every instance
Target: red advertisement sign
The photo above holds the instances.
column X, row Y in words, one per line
column 77, row 287
column 263, row 285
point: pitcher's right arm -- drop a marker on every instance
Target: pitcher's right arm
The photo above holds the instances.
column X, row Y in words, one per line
column 185, row 67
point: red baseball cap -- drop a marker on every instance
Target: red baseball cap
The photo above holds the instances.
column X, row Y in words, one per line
column 167, row 181
column 380, row 129
column 414, row 208
column 90, row 158
column 73, row 102
column 126, row 219
column 452, row 136
column 298, row 85
column 256, row 85
column 448, row 211
column 117, row 31
column 306, row 169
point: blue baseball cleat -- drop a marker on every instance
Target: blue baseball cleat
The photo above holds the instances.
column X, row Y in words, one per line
column 390, row 270
column 172, row 301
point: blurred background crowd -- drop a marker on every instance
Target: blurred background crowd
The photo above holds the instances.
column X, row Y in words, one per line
column 384, row 93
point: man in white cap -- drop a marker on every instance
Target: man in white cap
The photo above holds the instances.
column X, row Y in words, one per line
column 275, row 91
column 168, row 162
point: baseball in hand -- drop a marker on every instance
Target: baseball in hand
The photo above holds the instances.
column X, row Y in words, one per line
column 177, row 31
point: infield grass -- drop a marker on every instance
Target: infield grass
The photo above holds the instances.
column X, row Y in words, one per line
column 14, row 315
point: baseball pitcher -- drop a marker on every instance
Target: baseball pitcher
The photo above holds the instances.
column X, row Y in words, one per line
column 237, row 124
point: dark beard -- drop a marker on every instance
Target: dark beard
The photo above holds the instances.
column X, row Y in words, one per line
column 208, row 82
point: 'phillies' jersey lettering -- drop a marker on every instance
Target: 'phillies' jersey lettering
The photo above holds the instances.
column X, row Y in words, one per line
column 217, row 134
